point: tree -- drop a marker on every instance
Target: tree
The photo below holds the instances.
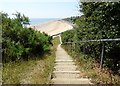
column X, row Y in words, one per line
column 19, row 42
column 100, row 20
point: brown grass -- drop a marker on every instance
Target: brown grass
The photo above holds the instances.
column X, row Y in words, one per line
column 30, row 72
column 90, row 68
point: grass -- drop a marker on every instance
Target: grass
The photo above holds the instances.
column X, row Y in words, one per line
column 90, row 68
column 14, row 72
column 30, row 72
column 0, row 73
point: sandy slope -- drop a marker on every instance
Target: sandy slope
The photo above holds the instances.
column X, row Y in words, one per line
column 53, row 27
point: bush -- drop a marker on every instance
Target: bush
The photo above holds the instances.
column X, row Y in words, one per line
column 99, row 21
column 19, row 42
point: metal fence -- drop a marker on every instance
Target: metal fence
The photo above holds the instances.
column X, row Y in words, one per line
column 103, row 45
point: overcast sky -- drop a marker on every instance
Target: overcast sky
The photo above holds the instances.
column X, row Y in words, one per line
column 41, row 8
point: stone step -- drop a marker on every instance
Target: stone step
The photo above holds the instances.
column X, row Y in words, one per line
column 64, row 60
column 66, row 74
column 70, row 72
column 65, row 68
column 71, row 81
column 60, row 55
column 65, row 63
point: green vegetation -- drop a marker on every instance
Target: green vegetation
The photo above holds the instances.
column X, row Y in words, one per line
column 71, row 19
column 56, row 41
column 99, row 21
column 28, row 56
column 14, row 72
column 89, row 67
column 19, row 42
column 35, row 71
column 96, row 24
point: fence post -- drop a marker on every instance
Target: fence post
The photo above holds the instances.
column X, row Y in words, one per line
column 102, row 54
column 84, row 50
column 71, row 48
column 74, row 47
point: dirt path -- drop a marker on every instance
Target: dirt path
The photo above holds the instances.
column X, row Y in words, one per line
column 65, row 70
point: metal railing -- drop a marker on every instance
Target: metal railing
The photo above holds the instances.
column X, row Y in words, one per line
column 103, row 45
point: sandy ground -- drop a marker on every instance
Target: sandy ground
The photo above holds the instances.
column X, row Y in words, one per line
column 53, row 27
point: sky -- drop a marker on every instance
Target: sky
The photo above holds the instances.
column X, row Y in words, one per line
column 41, row 8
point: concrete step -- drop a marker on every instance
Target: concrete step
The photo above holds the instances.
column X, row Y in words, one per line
column 65, row 63
column 63, row 60
column 70, row 81
column 66, row 74
column 65, row 68
column 70, row 72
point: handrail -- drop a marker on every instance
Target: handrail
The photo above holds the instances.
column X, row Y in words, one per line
column 100, row 40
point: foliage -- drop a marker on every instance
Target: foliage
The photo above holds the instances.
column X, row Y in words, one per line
column 71, row 19
column 89, row 68
column 27, row 72
column 100, row 20
column 20, row 42
column 68, row 36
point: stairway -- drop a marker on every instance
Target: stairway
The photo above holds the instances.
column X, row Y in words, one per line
column 65, row 70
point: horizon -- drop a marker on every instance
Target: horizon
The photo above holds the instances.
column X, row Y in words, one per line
column 41, row 9
column 34, row 21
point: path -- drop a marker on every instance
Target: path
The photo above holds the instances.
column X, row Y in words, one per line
column 65, row 70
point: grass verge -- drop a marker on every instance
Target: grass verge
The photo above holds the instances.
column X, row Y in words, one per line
column 89, row 68
column 30, row 72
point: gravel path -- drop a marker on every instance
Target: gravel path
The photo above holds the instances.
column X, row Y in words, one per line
column 65, row 70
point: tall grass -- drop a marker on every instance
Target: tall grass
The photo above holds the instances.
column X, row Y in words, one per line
column 89, row 68
column 34, row 71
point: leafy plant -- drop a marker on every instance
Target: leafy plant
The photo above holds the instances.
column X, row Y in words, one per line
column 20, row 42
column 100, row 20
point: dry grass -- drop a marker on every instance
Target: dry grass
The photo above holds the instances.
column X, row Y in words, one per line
column 30, row 72
column 14, row 72
column 0, row 73
column 40, row 73
column 90, row 68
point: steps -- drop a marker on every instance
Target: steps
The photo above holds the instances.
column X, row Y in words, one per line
column 70, row 81
column 65, row 70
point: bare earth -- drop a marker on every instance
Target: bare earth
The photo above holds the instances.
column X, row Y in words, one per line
column 53, row 27
column 66, row 71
